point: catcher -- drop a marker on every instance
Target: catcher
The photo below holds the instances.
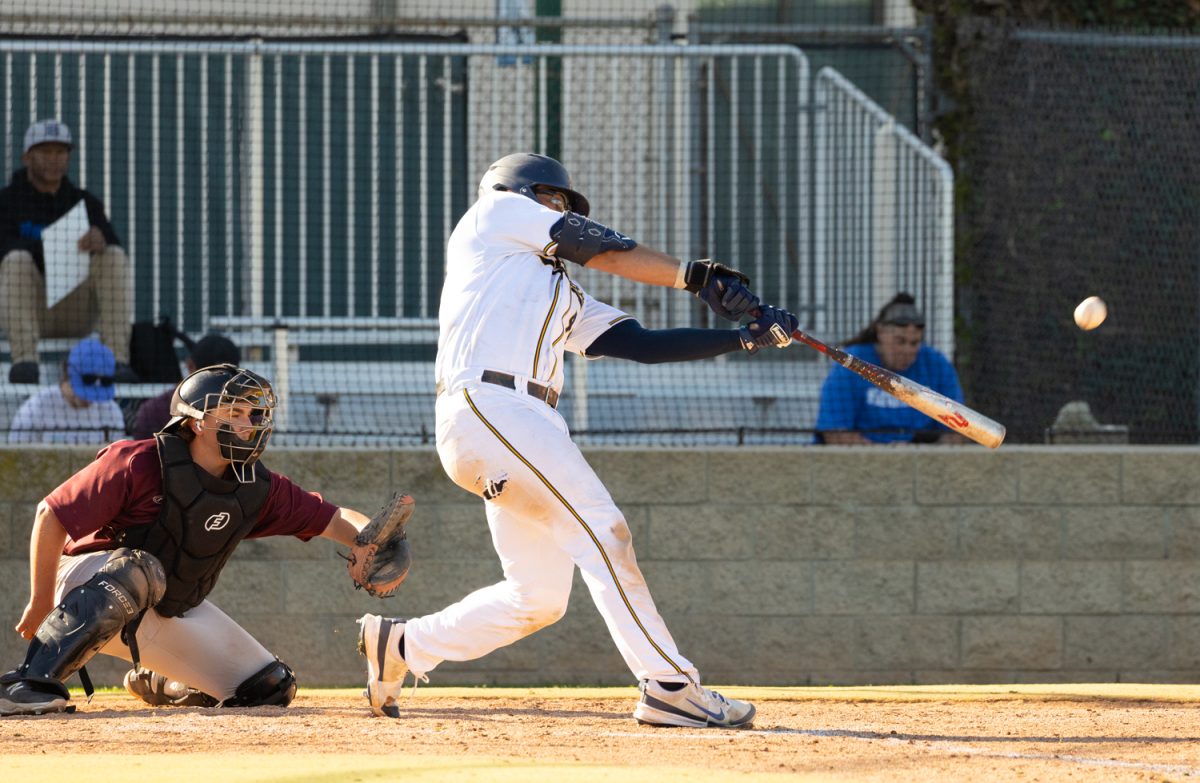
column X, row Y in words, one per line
column 124, row 552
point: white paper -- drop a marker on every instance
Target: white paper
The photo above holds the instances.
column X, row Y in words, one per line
column 66, row 265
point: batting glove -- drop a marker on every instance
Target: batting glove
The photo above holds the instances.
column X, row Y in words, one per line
column 728, row 297
column 723, row 289
column 772, row 328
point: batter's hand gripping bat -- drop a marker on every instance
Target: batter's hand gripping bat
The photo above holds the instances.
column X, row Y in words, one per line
column 954, row 415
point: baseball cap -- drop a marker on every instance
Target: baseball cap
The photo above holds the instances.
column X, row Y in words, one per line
column 903, row 314
column 90, row 367
column 44, row 131
column 214, row 349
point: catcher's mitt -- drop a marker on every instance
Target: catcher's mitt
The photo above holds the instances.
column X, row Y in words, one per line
column 379, row 560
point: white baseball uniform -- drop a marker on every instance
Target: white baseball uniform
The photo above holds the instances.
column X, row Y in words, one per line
column 509, row 310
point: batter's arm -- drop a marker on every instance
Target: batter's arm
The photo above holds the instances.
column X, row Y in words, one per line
column 723, row 289
column 345, row 526
column 630, row 340
column 641, row 264
column 46, row 543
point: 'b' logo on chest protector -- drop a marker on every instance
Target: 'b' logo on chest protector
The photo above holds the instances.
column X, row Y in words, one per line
column 217, row 521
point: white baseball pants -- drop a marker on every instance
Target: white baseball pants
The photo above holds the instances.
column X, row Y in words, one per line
column 205, row 648
column 548, row 512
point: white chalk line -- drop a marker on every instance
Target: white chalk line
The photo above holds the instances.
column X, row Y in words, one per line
column 718, row 735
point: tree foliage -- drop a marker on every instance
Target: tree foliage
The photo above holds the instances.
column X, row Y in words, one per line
column 954, row 31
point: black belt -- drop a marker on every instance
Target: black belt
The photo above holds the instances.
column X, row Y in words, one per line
column 534, row 389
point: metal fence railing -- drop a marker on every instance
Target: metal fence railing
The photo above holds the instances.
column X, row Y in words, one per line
column 884, row 216
column 321, row 179
column 313, row 185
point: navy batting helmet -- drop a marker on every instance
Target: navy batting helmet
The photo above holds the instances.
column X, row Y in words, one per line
column 521, row 172
column 216, row 390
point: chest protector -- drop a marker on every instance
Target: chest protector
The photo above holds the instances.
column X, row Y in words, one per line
column 203, row 519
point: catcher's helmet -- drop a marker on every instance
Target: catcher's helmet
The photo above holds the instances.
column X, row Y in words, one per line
column 222, row 386
column 521, row 172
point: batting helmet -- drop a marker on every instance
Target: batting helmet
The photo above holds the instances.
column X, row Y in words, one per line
column 521, row 172
column 214, row 391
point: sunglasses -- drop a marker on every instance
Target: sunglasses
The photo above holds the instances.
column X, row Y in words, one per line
column 96, row 380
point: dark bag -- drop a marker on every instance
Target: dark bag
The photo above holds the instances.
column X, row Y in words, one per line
column 152, row 351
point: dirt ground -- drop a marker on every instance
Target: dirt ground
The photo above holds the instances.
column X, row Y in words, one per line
column 865, row 734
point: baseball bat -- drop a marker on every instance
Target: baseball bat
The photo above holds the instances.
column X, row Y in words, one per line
column 956, row 416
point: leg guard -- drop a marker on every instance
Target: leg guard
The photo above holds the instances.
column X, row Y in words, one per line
column 131, row 582
column 274, row 684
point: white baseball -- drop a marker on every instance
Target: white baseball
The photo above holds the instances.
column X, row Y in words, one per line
column 1090, row 313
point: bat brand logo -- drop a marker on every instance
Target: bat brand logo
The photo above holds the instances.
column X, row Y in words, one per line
column 217, row 521
column 956, row 420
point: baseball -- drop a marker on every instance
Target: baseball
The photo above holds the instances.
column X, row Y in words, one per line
column 1090, row 313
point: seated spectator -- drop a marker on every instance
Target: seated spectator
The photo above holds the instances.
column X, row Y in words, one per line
column 854, row 411
column 154, row 413
column 38, row 195
column 80, row 409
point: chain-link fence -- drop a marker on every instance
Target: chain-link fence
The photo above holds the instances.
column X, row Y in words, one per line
column 288, row 174
column 1083, row 181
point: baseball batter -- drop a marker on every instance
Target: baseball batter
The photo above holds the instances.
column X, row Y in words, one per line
column 509, row 311
column 124, row 552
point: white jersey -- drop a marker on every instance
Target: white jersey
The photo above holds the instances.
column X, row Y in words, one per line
column 508, row 304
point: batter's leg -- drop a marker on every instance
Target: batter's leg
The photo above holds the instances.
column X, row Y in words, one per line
column 533, row 594
column 594, row 532
column 547, row 478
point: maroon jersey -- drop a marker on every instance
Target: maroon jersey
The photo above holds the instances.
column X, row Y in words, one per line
column 123, row 488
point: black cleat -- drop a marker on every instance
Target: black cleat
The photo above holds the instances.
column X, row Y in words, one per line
column 27, row 698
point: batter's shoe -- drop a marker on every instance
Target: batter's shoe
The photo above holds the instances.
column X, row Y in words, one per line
column 385, row 672
column 22, row 697
column 158, row 691
column 692, row 705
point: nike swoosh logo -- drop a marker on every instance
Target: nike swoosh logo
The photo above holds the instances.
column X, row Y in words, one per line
column 714, row 715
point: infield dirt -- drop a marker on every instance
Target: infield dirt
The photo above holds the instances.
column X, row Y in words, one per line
column 1000, row 733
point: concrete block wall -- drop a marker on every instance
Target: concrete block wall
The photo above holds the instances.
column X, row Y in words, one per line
column 772, row 566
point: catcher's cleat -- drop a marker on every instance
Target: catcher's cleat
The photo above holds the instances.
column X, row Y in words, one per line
column 385, row 671
column 692, row 705
column 158, row 691
column 27, row 698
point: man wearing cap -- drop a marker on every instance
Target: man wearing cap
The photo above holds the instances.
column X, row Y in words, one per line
column 38, row 195
column 124, row 554
column 80, row 409
column 855, row 412
column 154, row 413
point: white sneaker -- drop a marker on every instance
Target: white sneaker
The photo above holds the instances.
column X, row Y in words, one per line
column 385, row 673
column 692, row 705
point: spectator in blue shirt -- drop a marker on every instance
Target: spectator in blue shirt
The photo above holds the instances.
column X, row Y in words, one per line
column 855, row 412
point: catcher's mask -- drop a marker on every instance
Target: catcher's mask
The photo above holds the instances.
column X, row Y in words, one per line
column 219, row 391
column 526, row 172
